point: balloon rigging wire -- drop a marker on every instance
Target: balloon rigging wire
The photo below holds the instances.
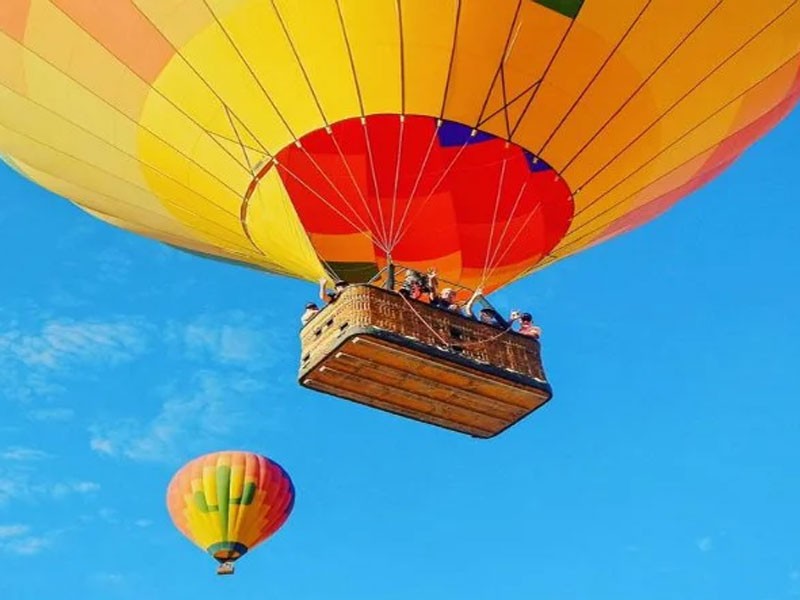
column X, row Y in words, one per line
column 350, row 57
column 552, row 256
column 452, row 60
column 250, row 70
column 396, row 238
column 595, row 76
column 435, row 187
column 353, row 180
column 135, row 207
column 371, row 160
column 643, row 83
column 498, row 196
column 397, row 174
column 200, row 77
column 666, row 149
column 691, row 90
column 510, row 36
column 538, row 86
column 491, row 261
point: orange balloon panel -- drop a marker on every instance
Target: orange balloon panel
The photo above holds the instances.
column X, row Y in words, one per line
column 485, row 138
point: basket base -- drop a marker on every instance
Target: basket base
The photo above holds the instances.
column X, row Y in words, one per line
column 424, row 384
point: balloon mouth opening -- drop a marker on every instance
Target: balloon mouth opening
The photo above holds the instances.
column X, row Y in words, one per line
column 444, row 164
column 227, row 552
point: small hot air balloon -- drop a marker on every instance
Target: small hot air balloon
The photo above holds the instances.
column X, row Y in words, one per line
column 229, row 502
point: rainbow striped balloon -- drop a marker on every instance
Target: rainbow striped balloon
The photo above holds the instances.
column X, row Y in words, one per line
column 229, row 502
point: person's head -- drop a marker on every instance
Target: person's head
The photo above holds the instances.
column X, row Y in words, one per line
column 340, row 284
column 526, row 318
column 416, row 289
column 312, row 306
column 449, row 295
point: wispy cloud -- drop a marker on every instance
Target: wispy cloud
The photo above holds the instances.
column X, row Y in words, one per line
column 705, row 544
column 234, row 339
column 51, row 414
column 9, row 531
column 189, row 417
column 59, row 490
column 143, row 523
column 15, row 539
column 17, row 453
column 28, row 546
column 61, row 343
column 19, row 486
column 33, row 360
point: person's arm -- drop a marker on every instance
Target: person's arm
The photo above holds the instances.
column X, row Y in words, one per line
column 323, row 293
column 468, row 308
column 433, row 284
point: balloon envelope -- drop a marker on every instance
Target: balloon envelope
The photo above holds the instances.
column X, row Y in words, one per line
column 229, row 502
column 487, row 138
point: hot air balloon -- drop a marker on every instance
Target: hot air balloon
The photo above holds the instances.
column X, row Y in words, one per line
column 338, row 138
column 229, row 502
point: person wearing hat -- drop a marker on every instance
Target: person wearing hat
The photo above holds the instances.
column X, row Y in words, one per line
column 311, row 311
column 331, row 296
column 486, row 315
column 526, row 326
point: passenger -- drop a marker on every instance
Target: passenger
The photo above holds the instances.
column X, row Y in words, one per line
column 415, row 286
column 486, row 315
column 446, row 300
column 311, row 311
column 491, row 317
column 526, row 326
column 331, row 296
column 416, row 290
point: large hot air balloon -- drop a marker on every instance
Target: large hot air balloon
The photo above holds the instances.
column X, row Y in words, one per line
column 312, row 138
column 229, row 502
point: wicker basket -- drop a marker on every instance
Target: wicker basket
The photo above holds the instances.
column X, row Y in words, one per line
column 377, row 348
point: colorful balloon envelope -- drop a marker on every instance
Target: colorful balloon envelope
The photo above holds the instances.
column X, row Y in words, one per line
column 229, row 502
column 487, row 138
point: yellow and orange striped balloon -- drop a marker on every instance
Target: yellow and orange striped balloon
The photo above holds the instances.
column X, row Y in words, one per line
column 229, row 502
column 486, row 138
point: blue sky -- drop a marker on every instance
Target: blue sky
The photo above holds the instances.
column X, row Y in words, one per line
column 665, row 467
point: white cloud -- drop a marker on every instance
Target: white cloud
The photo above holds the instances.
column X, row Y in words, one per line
column 28, row 546
column 14, row 539
column 234, row 339
column 59, row 490
column 143, row 523
column 18, row 486
column 9, row 531
column 63, row 342
column 208, row 410
column 32, row 360
column 102, row 445
column 705, row 544
column 51, row 414
column 17, row 453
